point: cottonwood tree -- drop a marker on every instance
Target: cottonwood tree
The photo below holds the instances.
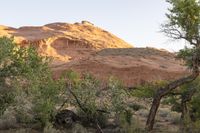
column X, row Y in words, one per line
column 26, row 84
column 183, row 24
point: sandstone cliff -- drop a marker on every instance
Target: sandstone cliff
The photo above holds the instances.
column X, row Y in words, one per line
column 86, row 48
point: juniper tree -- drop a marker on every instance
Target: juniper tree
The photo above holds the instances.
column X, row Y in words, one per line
column 183, row 24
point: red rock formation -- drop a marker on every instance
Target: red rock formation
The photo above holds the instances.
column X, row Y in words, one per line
column 86, row 48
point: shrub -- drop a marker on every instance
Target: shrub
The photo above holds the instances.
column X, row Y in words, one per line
column 170, row 100
column 196, row 126
column 173, row 117
column 143, row 112
column 176, row 107
column 134, row 127
column 82, row 94
column 26, row 83
column 50, row 129
column 45, row 100
column 164, row 112
column 93, row 104
column 6, row 98
column 147, row 90
column 79, row 129
column 136, row 106
column 118, row 95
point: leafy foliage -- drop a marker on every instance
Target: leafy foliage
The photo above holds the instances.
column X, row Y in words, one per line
column 26, row 82
column 136, row 106
column 5, row 100
column 95, row 104
column 183, row 23
column 184, row 20
column 118, row 96
column 147, row 90
column 186, row 54
column 181, row 93
column 45, row 100
column 82, row 93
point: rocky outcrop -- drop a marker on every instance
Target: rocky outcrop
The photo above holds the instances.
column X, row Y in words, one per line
column 84, row 47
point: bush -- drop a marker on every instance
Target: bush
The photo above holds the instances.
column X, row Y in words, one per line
column 196, row 126
column 6, row 98
column 82, row 94
column 176, row 107
column 136, row 106
column 50, row 129
column 134, row 127
column 45, row 100
column 26, row 83
column 147, row 90
column 174, row 117
column 163, row 112
column 93, row 104
column 170, row 100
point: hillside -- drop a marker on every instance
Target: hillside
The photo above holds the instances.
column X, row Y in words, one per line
column 86, row 48
column 132, row 65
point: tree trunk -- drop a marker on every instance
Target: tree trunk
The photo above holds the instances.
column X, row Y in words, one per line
column 185, row 114
column 184, row 110
column 152, row 113
column 163, row 92
column 184, row 99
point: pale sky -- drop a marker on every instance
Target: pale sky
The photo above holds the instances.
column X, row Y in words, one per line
column 135, row 21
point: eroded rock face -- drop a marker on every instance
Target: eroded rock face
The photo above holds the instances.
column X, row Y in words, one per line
column 57, row 38
column 84, row 47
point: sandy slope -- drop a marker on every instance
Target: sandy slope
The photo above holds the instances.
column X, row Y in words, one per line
column 87, row 48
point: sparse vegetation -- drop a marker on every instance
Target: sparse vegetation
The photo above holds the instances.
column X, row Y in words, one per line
column 30, row 99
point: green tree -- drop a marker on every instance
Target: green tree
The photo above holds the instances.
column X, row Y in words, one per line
column 183, row 23
column 26, row 82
